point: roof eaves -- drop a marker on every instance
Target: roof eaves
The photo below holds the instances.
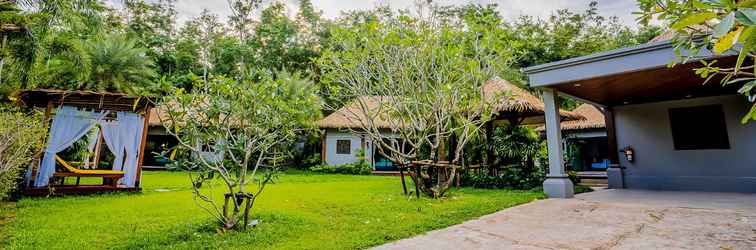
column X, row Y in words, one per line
column 599, row 56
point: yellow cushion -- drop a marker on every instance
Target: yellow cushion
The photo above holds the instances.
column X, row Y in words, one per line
column 83, row 171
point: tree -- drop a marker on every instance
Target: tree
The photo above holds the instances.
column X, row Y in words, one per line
column 241, row 23
column 196, row 42
column 420, row 76
column 566, row 34
column 720, row 25
column 244, row 127
column 153, row 27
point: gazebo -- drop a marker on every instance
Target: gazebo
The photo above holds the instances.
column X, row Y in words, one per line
column 513, row 105
column 118, row 121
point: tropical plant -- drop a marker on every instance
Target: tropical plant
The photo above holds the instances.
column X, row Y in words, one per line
column 119, row 65
column 236, row 133
column 112, row 63
column 723, row 26
column 518, row 144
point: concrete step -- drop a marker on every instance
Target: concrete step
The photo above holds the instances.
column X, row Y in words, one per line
column 594, row 181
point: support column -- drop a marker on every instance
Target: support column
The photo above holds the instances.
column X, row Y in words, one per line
column 615, row 173
column 557, row 185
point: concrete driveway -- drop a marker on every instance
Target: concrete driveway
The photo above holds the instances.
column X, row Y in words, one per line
column 608, row 219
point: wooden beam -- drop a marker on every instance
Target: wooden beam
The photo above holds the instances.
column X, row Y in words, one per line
column 142, row 146
column 611, row 135
column 98, row 149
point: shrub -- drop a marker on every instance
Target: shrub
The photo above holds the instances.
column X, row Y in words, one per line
column 359, row 168
column 20, row 138
column 513, row 176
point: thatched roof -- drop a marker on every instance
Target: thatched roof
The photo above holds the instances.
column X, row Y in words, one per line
column 351, row 116
column 158, row 115
column 513, row 100
column 81, row 99
column 594, row 119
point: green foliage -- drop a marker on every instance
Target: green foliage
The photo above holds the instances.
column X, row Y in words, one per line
column 361, row 167
column 722, row 24
column 353, row 212
column 358, row 168
column 511, row 177
column 566, row 34
column 518, row 144
column 20, row 138
column 112, row 63
column 119, row 65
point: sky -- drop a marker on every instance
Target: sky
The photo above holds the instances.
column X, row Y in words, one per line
column 510, row 9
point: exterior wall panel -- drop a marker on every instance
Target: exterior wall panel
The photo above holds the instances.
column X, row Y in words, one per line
column 646, row 128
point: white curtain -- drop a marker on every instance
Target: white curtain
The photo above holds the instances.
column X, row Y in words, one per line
column 132, row 126
column 68, row 126
column 94, row 136
column 111, row 134
column 123, row 138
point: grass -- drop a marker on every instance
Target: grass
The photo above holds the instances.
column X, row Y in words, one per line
column 299, row 211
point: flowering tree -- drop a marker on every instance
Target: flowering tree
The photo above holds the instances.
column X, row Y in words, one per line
column 422, row 78
column 235, row 134
column 720, row 25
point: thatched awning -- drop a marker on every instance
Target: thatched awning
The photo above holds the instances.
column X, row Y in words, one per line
column 351, row 116
column 81, row 99
column 511, row 100
column 594, row 119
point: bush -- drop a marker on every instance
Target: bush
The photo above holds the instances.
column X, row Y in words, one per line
column 359, row 168
column 513, row 176
column 20, row 138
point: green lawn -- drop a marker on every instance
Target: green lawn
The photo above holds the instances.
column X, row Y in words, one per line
column 299, row 211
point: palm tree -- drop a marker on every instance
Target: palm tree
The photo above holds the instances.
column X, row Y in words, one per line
column 117, row 64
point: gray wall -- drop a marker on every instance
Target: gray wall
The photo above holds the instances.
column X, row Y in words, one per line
column 646, row 128
column 332, row 158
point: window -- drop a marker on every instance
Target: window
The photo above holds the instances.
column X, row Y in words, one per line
column 343, row 147
column 702, row 127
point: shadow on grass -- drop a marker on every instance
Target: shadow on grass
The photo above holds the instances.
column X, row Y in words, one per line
column 273, row 229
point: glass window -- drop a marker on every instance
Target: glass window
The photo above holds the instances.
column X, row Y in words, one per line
column 343, row 147
column 701, row 127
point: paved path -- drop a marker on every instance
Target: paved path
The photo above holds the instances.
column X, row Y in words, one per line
column 609, row 219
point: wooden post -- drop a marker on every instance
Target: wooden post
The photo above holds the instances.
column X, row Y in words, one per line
column 611, row 135
column 489, row 147
column 401, row 174
column 142, row 146
column 38, row 157
column 98, row 149
column 417, row 177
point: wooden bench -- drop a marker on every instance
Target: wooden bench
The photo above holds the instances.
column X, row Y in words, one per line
column 109, row 177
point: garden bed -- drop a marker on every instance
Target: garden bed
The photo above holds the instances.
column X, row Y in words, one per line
column 300, row 210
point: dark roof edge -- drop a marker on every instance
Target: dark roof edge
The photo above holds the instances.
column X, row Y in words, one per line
column 599, row 56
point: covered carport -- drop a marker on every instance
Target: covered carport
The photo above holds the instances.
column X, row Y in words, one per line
column 667, row 130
